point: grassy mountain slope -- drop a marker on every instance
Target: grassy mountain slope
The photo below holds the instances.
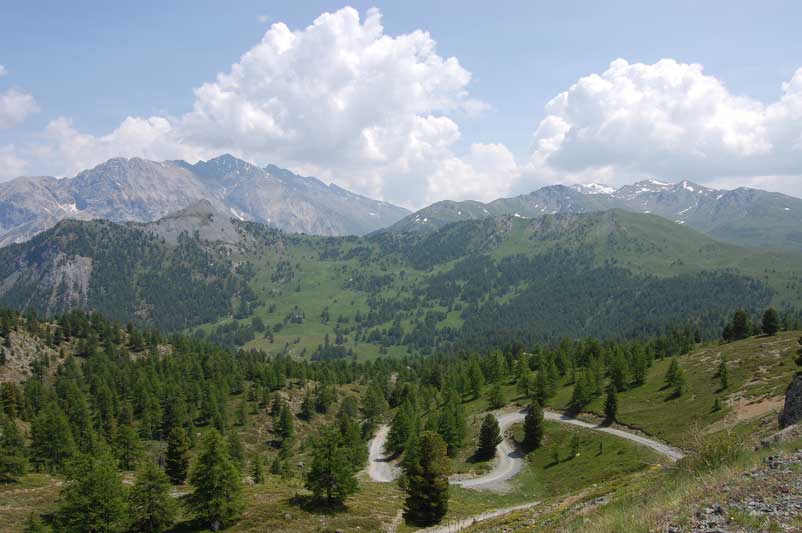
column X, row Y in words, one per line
column 612, row 273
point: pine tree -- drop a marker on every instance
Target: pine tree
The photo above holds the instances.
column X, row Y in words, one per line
column 476, row 379
column 127, row 448
column 12, row 451
column 151, row 508
column 52, row 444
column 717, row 404
column 671, row 373
column 307, row 406
column 284, row 426
column 489, row 437
column 331, row 476
column 533, row 427
column 740, row 325
column 235, row 450
column 451, row 424
column 257, row 470
column 496, row 398
column 94, row 498
column 242, row 413
column 176, row 462
column 771, row 321
column 525, row 378
column 34, row 524
column 611, row 403
column 401, row 428
column 373, row 407
column 724, row 373
column 425, row 481
column 574, row 444
column 217, row 498
column 680, row 384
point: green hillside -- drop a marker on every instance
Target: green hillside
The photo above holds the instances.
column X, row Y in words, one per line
column 477, row 283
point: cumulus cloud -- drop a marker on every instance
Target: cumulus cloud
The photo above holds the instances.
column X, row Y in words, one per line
column 340, row 99
column 15, row 105
column 667, row 119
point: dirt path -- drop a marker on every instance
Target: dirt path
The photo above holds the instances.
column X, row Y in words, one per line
column 509, row 460
column 459, row 525
column 380, row 469
column 660, row 447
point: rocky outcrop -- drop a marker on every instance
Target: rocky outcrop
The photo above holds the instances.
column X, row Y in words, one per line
column 792, row 410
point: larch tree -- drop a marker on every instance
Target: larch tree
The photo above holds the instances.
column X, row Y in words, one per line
column 425, row 481
column 489, row 437
column 217, row 497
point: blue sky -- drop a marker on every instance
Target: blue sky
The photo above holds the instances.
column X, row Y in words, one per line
column 96, row 63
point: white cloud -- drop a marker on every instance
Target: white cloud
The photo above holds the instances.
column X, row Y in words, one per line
column 340, row 99
column 15, row 105
column 667, row 119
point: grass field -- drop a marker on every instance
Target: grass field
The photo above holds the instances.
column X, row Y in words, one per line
column 760, row 369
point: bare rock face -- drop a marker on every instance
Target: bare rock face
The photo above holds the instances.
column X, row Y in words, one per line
column 138, row 190
column 792, row 410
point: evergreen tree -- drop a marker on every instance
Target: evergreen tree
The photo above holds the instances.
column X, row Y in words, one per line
column 242, row 413
column 724, row 373
column 611, row 403
column 401, row 428
column 525, row 378
column 34, row 524
column 717, row 404
column 217, row 497
column 307, row 406
column 680, row 384
column 52, row 444
column 489, row 437
column 771, row 321
column 284, row 427
column 496, row 398
column 94, row 498
column 451, row 424
column 235, row 450
column 618, row 371
column 176, row 463
column 425, row 481
column 671, row 373
column 574, row 444
column 151, row 508
column 12, row 451
column 476, row 379
column 740, row 325
column 533, row 427
column 331, row 476
column 127, row 448
column 257, row 470
column 325, row 397
column 373, row 407
column 639, row 366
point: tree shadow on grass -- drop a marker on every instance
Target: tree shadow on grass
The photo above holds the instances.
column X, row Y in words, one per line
column 310, row 504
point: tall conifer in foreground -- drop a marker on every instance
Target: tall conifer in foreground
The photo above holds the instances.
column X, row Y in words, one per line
column 217, row 498
column 425, row 481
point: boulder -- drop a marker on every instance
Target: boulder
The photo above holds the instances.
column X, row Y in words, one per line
column 792, row 410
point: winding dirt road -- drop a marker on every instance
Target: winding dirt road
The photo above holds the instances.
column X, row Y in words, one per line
column 509, row 460
column 380, row 468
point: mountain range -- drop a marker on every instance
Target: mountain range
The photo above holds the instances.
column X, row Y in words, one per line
column 140, row 190
column 748, row 217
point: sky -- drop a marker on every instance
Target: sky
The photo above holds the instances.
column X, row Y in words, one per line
column 411, row 102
